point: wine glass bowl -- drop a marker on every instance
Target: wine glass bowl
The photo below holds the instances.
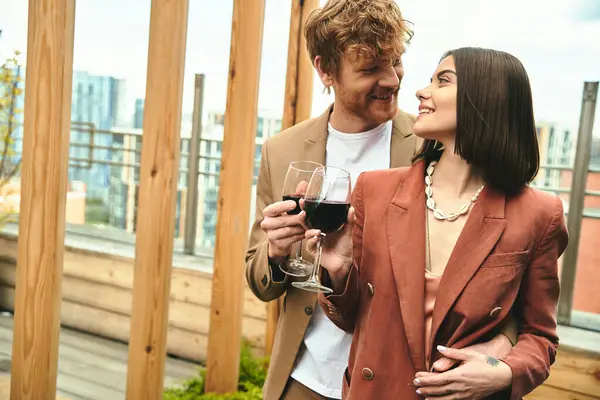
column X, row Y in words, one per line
column 294, row 188
column 327, row 216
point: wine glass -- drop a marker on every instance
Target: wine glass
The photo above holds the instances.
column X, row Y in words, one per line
column 326, row 202
column 294, row 187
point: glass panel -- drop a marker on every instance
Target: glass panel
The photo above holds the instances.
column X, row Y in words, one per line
column 111, row 39
column 208, row 53
column 586, row 297
column 109, row 70
column 109, row 77
column 13, row 43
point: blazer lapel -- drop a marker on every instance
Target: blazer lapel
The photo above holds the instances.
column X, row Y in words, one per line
column 480, row 234
column 406, row 237
column 403, row 144
column 315, row 145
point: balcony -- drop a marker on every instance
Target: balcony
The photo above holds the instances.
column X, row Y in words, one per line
column 131, row 295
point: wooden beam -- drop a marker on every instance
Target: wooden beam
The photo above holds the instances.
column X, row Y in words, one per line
column 235, row 186
column 305, row 68
column 297, row 108
column 299, row 77
column 47, row 123
column 158, row 188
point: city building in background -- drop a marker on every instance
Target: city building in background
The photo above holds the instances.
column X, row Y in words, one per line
column 138, row 114
column 98, row 103
column 125, row 180
column 210, row 164
column 556, row 148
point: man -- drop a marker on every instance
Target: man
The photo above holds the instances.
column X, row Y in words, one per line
column 356, row 47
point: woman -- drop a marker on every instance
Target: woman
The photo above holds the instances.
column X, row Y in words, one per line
column 434, row 257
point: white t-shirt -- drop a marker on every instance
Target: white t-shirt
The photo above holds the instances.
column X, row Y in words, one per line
column 321, row 366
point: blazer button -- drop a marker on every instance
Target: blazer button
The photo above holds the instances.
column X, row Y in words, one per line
column 370, row 289
column 495, row 312
column 308, row 310
column 367, row 373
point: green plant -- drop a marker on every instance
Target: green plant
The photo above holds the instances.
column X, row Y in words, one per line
column 10, row 93
column 253, row 372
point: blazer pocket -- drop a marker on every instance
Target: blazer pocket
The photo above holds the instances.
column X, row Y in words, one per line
column 497, row 260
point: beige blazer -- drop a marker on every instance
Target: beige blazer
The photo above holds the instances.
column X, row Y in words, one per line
column 305, row 141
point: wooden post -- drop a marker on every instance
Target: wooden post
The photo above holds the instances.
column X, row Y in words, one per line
column 235, row 186
column 297, row 108
column 158, row 189
column 47, row 123
column 299, row 76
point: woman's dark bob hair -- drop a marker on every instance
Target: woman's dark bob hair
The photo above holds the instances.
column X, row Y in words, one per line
column 495, row 129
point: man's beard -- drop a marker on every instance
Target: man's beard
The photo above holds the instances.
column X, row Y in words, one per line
column 363, row 107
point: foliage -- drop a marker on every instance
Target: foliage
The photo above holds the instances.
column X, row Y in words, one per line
column 10, row 92
column 253, row 372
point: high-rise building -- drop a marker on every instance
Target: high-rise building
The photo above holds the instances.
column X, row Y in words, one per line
column 210, row 165
column 125, row 181
column 138, row 114
column 556, row 146
column 98, row 103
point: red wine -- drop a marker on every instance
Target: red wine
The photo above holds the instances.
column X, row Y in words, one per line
column 297, row 200
column 327, row 216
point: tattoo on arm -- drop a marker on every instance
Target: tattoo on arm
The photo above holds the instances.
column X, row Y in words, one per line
column 492, row 361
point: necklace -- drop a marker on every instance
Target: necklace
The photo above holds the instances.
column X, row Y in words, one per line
column 437, row 213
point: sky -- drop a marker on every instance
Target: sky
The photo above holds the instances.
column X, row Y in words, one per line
column 558, row 41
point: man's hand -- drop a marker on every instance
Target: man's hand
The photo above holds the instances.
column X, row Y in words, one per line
column 498, row 347
column 282, row 230
column 478, row 377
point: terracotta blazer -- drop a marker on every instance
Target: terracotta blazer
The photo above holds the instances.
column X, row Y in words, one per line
column 304, row 141
column 505, row 259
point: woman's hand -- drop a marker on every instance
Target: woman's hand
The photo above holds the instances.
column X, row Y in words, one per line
column 476, row 378
column 336, row 257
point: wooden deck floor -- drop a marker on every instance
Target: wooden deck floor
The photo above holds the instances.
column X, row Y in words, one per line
column 89, row 367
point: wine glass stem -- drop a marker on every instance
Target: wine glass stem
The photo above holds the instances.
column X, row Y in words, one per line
column 316, row 272
column 299, row 251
